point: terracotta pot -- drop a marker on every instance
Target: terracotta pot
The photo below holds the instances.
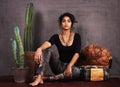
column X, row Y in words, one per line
column 20, row 74
column 29, row 62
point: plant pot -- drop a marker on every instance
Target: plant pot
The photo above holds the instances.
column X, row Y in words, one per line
column 29, row 62
column 20, row 74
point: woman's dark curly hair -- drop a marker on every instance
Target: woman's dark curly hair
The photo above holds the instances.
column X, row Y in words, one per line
column 71, row 16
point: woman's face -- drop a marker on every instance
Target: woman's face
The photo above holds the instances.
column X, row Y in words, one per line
column 66, row 23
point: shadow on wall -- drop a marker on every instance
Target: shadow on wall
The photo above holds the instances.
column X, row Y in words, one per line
column 115, row 67
column 37, row 28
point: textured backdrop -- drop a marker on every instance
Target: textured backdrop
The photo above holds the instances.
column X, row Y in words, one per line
column 98, row 23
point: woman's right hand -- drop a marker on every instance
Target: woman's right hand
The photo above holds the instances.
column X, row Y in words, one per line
column 38, row 55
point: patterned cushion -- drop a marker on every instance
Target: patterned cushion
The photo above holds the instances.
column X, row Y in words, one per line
column 94, row 73
column 95, row 55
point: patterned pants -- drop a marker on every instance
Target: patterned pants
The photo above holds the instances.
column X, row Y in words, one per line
column 58, row 67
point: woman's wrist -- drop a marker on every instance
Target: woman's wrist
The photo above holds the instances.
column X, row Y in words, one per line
column 70, row 65
column 39, row 49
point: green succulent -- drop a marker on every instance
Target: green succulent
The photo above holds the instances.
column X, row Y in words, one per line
column 28, row 34
column 17, row 48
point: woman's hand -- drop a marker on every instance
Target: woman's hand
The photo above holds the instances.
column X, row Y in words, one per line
column 38, row 55
column 68, row 71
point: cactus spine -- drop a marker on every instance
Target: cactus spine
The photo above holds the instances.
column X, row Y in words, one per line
column 28, row 35
column 17, row 45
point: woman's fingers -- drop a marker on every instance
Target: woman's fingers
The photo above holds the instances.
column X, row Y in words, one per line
column 38, row 56
column 68, row 72
column 36, row 59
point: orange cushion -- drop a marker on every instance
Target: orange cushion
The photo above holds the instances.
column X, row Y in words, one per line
column 95, row 55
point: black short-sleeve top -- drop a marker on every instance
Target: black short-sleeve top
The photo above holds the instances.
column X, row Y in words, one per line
column 66, row 52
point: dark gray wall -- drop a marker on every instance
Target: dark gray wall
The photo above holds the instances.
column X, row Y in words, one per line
column 98, row 23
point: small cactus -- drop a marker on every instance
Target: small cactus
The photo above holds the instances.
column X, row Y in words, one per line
column 14, row 49
column 17, row 48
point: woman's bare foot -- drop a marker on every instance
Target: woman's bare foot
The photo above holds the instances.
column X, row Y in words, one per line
column 37, row 81
column 34, row 77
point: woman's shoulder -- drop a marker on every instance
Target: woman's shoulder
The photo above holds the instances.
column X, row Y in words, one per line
column 54, row 36
column 77, row 34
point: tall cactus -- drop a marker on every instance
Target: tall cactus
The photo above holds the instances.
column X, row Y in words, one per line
column 17, row 46
column 28, row 35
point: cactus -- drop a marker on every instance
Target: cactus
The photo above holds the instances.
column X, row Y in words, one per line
column 28, row 35
column 17, row 48
column 14, row 49
column 17, row 45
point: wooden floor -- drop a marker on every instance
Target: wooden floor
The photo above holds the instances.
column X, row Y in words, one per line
column 7, row 81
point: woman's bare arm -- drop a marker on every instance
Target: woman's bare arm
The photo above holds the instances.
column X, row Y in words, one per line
column 45, row 45
column 72, row 62
column 38, row 53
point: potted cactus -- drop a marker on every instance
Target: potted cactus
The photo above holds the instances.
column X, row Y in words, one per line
column 23, row 53
column 20, row 71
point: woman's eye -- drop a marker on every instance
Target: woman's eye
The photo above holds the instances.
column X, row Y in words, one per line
column 63, row 21
column 69, row 21
column 66, row 21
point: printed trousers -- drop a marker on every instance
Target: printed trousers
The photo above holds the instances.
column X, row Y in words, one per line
column 58, row 67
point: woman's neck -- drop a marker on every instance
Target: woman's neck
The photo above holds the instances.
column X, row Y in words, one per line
column 66, row 32
column 66, row 38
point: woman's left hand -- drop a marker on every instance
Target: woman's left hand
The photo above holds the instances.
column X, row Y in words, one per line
column 68, row 71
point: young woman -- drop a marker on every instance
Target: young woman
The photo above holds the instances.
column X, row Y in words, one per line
column 68, row 44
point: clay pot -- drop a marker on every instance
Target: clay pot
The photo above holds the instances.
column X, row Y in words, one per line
column 20, row 74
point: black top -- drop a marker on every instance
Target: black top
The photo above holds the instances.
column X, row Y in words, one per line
column 66, row 52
